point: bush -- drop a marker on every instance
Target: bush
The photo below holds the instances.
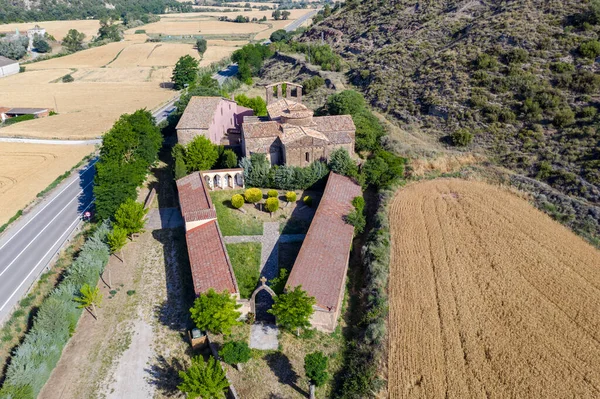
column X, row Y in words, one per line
column 235, row 352
column 347, row 102
column 290, row 196
column 588, row 112
column 253, row 195
column 341, row 163
column 384, row 169
column 461, row 138
column 590, row 49
column 517, row 56
column 272, row 194
column 563, row 118
column 257, row 104
column 272, row 204
column 237, row 201
column 67, row 78
column 312, row 84
column 308, row 200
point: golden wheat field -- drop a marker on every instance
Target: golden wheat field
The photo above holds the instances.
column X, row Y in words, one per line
column 58, row 29
column 489, row 298
column 27, row 169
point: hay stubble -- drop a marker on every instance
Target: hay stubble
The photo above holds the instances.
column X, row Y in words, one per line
column 489, row 297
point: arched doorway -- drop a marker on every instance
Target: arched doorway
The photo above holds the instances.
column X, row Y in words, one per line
column 261, row 301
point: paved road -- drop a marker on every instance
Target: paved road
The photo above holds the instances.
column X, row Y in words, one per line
column 51, row 142
column 29, row 244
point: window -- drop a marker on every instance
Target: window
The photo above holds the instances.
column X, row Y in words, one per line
column 231, row 121
column 307, row 156
column 230, row 107
column 221, row 111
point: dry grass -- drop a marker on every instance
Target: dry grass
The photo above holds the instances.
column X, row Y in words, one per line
column 489, row 297
column 58, row 29
column 446, row 163
column 200, row 26
column 27, row 169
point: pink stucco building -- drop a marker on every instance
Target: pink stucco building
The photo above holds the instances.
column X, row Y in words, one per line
column 216, row 118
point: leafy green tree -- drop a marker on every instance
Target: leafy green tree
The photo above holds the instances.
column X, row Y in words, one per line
column 357, row 217
column 272, row 194
column 280, row 35
column 285, row 15
column 326, row 10
column 131, row 216
column 237, row 201
column 347, row 102
column 272, row 205
column 461, row 138
column 315, row 367
column 68, row 78
column 383, row 169
column 236, row 353
column 89, row 297
column 369, row 131
column 253, row 195
column 185, row 72
column 215, row 312
column 290, row 196
column 200, row 154
column 590, row 49
column 276, row 15
column 564, row 117
column 201, row 45
column 41, row 45
column 117, row 239
column 13, row 49
column 73, row 41
column 206, row 380
column 293, row 309
column 341, row 163
column 109, row 30
column 257, row 104
column 180, row 168
column 228, row 159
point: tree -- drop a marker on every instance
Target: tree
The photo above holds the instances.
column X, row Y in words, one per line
column 109, row 30
column 131, row 217
column 237, row 201
column 293, row 309
column 68, row 78
column 236, row 353
column 290, row 196
column 228, row 159
column 41, row 45
column 326, row 10
column 383, row 169
column 180, row 168
column 185, row 72
column 206, row 380
column 461, row 138
column 201, row 45
column 257, row 104
column 357, row 217
column 347, row 102
column 215, row 312
column 590, row 49
column 280, row 35
column 276, row 15
column 253, row 195
column 117, row 239
column 341, row 163
column 285, row 15
column 272, row 205
column 368, row 131
column 315, row 367
column 200, row 154
column 272, row 194
column 563, row 117
column 89, row 298
column 73, row 41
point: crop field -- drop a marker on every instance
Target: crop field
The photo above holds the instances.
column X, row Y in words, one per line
column 489, row 297
column 58, row 29
column 27, row 169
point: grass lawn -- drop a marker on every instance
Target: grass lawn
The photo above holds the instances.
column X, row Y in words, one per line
column 245, row 259
column 233, row 222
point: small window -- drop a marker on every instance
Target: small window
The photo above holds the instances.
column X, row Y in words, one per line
column 221, row 111
column 231, row 121
column 230, row 107
column 307, row 156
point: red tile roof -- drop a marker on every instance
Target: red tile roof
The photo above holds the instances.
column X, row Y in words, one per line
column 209, row 261
column 322, row 262
column 194, row 199
column 199, row 113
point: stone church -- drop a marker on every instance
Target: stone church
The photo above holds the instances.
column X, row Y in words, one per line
column 291, row 135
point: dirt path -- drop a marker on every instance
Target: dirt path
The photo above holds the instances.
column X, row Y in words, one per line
column 489, row 298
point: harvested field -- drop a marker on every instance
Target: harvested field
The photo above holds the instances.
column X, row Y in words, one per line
column 27, row 169
column 94, row 57
column 489, row 298
column 200, row 26
column 58, row 29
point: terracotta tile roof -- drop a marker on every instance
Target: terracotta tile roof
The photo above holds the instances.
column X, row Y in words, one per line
column 285, row 106
column 210, row 264
column 322, row 262
column 293, row 133
column 4, row 109
column 194, row 199
column 334, row 123
column 261, row 129
column 7, row 61
column 199, row 112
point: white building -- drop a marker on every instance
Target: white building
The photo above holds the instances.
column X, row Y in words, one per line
column 31, row 33
column 8, row 67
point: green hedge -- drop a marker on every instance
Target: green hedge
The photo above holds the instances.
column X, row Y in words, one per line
column 55, row 322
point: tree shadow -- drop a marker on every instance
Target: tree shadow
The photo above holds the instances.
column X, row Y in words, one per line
column 282, row 368
column 164, row 374
column 86, row 178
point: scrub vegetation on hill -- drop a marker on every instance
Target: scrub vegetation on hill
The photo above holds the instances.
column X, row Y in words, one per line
column 517, row 80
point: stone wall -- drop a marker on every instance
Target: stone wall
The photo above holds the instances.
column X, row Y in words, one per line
column 184, row 136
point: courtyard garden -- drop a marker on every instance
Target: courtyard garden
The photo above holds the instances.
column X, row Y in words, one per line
column 245, row 259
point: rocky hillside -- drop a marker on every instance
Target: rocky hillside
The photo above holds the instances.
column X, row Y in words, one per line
column 520, row 76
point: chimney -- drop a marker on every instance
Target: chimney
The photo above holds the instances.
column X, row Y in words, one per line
column 299, row 94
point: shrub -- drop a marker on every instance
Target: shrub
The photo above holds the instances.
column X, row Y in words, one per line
column 564, row 117
column 383, row 169
column 312, row 84
column 562, row 67
column 307, row 200
column 589, row 112
column 517, row 56
column 590, row 49
column 215, row 312
column 341, row 163
column 237, row 201
column 347, row 102
column 67, row 78
column 235, row 352
column 257, row 104
column 272, row 194
column 290, row 196
column 485, row 61
column 272, row 204
column 253, row 195
column 461, row 138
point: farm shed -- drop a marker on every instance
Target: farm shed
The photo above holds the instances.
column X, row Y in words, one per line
column 8, row 67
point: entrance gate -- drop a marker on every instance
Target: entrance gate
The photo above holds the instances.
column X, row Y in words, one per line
column 261, row 301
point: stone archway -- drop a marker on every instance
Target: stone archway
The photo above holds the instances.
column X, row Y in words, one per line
column 261, row 301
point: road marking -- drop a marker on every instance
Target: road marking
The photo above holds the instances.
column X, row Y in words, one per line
column 41, row 231
column 45, row 206
column 78, row 219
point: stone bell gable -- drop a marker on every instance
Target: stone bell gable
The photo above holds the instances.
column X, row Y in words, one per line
column 291, row 134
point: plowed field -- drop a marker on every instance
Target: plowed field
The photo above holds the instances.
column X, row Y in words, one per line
column 489, row 298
